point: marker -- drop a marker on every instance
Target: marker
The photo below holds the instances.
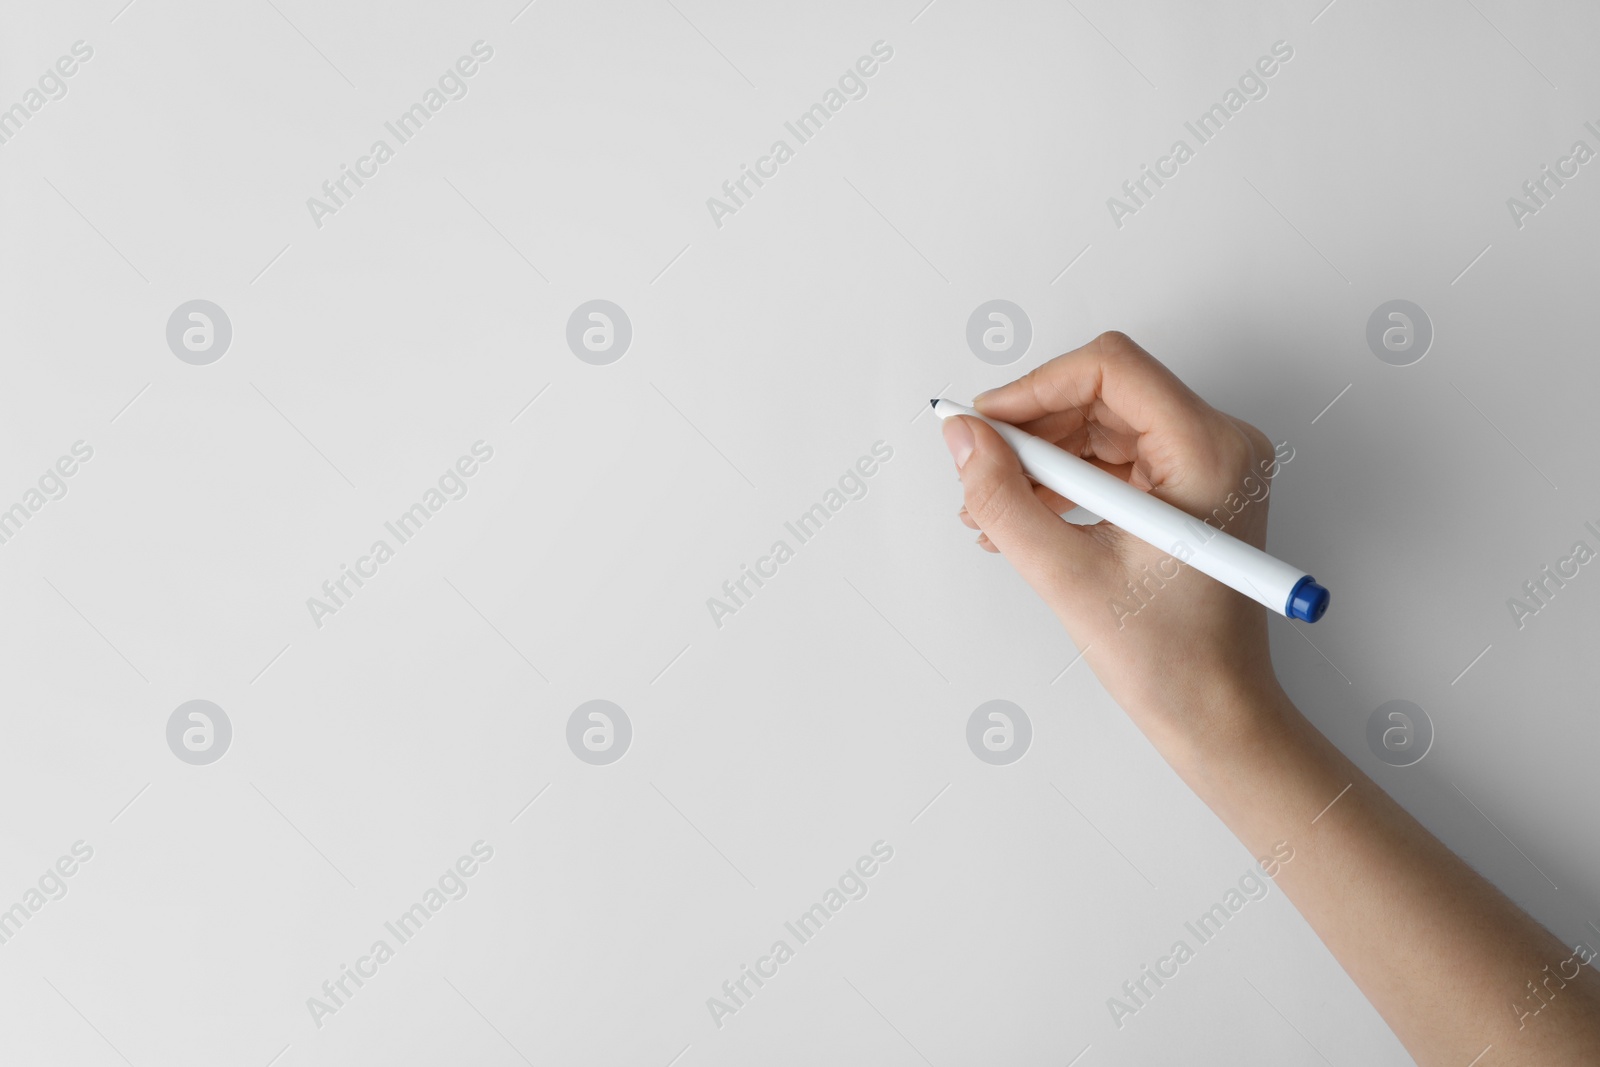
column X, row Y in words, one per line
column 1287, row 590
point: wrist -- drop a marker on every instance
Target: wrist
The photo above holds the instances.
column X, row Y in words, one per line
column 1222, row 725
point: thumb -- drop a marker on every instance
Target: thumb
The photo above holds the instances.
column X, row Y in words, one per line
column 1060, row 560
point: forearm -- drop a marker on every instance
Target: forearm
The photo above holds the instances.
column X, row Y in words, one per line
column 1441, row 953
column 1443, row 956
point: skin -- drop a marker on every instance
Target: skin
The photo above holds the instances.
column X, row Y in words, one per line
column 1444, row 956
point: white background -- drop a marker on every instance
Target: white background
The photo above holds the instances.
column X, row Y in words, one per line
column 768, row 354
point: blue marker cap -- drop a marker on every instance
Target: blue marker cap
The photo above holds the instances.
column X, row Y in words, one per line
column 1307, row 600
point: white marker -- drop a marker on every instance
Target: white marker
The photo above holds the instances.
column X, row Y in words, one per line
column 1287, row 590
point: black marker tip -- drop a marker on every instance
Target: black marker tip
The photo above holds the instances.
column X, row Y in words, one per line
column 934, row 402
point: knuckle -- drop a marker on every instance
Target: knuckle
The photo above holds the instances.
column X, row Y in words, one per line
column 1040, row 383
column 1257, row 445
column 1115, row 341
column 1233, row 451
column 1052, row 386
column 1118, row 349
column 1039, row 376
column 1051, row 391
column 1262, row 445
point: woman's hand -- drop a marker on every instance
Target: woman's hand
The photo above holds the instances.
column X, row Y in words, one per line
column 1187, row 658
column 1178, row 650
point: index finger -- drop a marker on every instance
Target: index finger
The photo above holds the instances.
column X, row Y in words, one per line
column 1126, row 381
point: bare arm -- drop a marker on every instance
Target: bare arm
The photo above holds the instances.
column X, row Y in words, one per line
column 1443, row 956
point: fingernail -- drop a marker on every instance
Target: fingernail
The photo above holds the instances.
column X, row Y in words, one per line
column 958, row 439
column 981, row 395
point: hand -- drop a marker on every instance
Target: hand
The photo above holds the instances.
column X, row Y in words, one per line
column 1177, row 649
column 1189, row 663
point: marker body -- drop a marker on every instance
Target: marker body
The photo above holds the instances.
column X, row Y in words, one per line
column 1285, row 589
